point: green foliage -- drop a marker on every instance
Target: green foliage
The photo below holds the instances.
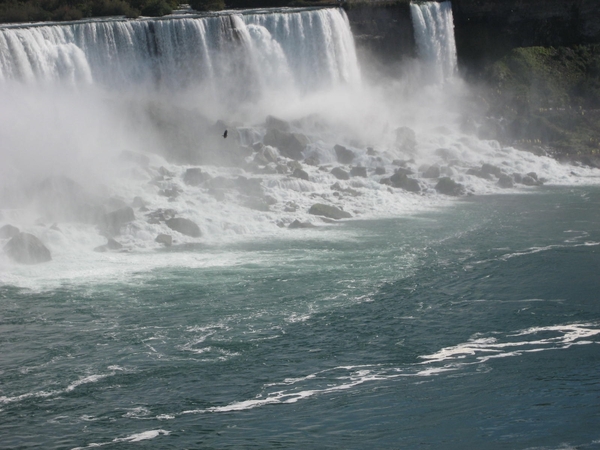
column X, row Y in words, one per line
column 42, row 10
column 207, row 5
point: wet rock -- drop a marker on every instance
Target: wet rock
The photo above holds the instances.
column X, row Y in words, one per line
column 25, row 248
column 358, row 172
column 312, row 160
column 270, row 200
column 343, row 155
column 505, row 181
column 337, row 187
column 446, row 154
column 270, row 154
column 400, row 180
column 274, row 123
column 380, row 171
column 293, row 165
column 406, row 139
column 195, row 177
column 297, row 224
column 249, row 186
column 528, row 181
column 371, row 151
column 112, row 222
column 110, row 245
column 160, row 215
column 165, row 172
column 533, row 175
column 448, row 186
column 291, row 145
column 432, row 172
column 172, row 192
column 184, row 226
column 340, row 173
column 8, row 231
column 299, row 173
column 281, row 169
column 478, row 173
column 329, row 211
column 490, row 169
column 291, row 207
column 164, row 239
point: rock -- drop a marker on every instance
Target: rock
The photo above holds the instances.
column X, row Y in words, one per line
column 297, row 224
column 293, row 165
column 446, row 154
column 380, row 171
column 505, row 181
column 270, row 200
column 160, row 215
column 491, row 170
column 533, row 175
column 291, row 207
column 281, row 169
column 312, row 160
column 194, row 176
column 406, row 139
column 344, row 155
column 299, row 173
column 110, row 245
column 25, row 248
column 291, row 145
column 273, row 123
column 358, row 172
column 171, row 193
column 448, row 186
column 112, row 222
column 8, row 231
column 165, row 239
column 478, row 173
column 401, row 180
column 432, row 172
column 528, row 181
column 371, row 151
column 249, row 186
column 340, row 173
column 165, row 172
column 331, row 212
column 184, row 226
column 350, row 191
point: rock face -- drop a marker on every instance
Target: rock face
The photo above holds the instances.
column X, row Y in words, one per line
column 25, row 248
column 331, row 212
column 184, row 226
column 487, row 29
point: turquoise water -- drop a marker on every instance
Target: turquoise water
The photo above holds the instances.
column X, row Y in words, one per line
column 476, row 326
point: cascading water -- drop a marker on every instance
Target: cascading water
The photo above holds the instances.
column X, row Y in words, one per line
column 308, row 49
column 434, row 36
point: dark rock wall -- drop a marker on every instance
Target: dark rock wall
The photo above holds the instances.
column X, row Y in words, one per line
column 486, row 30
column 383, row 32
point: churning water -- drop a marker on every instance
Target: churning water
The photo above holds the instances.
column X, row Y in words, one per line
column 425, row 320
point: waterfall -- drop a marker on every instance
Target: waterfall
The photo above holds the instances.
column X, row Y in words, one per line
column 287, row 49
column 434, row 35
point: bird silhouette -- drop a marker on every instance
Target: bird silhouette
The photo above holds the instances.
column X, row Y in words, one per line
column 225, row 134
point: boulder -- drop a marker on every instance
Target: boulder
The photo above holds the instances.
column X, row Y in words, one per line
column 358, row 172
column 312, row 160
column 138, row 202
column 349, row 191
column 344, row 155
column 165, row 239
column 371, row 151
column 380, row 170
column 163, row 171
column 432, row 172
column 297, row 224
column 184, row 226
column 8, row 231
column 505, row 181
column 340, row 173
column 529, row 181
column 25, row 248
column 269, row 153
column 111, row 222
column 110, row 245
column 274, row 123
column 448, row 186
column 491, row 170
column 400, row 180
column 289, row 144
column 329, row 211
column 194, row 176
column 299, row 173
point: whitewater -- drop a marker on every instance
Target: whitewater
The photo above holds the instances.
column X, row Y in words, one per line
column 467, row 320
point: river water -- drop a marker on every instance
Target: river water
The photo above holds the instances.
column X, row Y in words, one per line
column 470, row 326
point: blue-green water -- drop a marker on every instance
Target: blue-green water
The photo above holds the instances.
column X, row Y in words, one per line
column 472, row 327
